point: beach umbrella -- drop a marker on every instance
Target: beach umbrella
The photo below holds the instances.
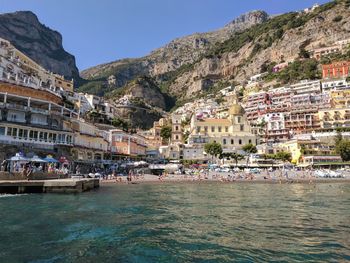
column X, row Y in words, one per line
column 18, row 158
column 50, row 160
column 36, row 159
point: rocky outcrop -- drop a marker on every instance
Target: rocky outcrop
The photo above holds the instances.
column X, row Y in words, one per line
column 39, row 42
column 145, row 89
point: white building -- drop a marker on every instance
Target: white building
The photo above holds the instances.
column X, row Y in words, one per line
column 334, row 84
column 191, row 152
column 307, row 86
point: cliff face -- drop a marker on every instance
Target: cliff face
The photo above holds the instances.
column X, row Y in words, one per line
column 191, row 65
column 277, row 40
column 177, row 53
column 39, row 42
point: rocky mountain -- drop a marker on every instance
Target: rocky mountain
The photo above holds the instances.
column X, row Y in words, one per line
column 39, row 42
column 177, row 53
column 190, row 66
column 143, row 102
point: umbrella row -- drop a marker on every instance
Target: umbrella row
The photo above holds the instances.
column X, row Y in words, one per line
column 35, row 159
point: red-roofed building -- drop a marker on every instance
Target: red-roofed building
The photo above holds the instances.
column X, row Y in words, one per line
column 336, row 70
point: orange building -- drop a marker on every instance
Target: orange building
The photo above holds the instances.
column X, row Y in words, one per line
column 122, row 143
column 336, row 70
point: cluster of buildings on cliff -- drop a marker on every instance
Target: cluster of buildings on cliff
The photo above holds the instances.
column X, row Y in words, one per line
column 300, row 118
column 40, row 114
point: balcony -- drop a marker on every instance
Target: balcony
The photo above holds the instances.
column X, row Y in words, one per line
column 38, row 110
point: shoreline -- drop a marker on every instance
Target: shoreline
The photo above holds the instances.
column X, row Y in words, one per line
column 238, row 181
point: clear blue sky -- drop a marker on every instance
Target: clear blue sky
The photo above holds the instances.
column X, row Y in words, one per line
column 98, row 31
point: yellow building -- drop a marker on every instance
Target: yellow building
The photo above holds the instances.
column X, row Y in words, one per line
column 334, row 118
column 27, row 62
column 340, row 98
column 303, row 147
column 64, row 84
column 232, row 133
column 90, row 143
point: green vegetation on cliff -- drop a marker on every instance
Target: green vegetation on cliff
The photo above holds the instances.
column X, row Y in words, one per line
column 298, row 70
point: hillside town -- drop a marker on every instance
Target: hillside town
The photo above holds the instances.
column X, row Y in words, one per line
column 152, row 131
column 42, row 115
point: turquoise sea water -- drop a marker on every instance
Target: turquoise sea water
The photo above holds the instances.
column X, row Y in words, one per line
column 179, row 223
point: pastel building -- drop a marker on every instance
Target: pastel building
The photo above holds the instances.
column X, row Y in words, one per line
column 306, row 86
column 336, row 70
column 127, row 145
column 232, row 133
column 334, row 118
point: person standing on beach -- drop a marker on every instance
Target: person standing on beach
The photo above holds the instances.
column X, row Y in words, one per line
column 129, row 178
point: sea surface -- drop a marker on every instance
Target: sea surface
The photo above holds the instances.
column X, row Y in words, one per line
column 211, row 222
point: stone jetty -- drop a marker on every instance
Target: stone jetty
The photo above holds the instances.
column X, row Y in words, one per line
column 48, row 186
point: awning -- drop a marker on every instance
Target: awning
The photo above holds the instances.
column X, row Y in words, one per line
column 36, row 159
column 50, row 160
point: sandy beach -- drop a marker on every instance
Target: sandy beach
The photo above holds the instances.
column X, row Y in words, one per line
column 225, row 178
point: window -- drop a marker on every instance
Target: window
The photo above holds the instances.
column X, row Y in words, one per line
column 219, row 128
column 176, row 128
column 35, row 135
column 20, row 133
column 54, row 123
column 12, row 132
column 242, row 127
column 206, row 129
column 240, row 141
column 232, row 141
column 54, row 137
column 9, row 131
column 226, row 129
column 176, row 137
column 198, row 129
column 2, row 130
column 239, row 119
column 224, row 141
column 250, row 141
column 212, row 129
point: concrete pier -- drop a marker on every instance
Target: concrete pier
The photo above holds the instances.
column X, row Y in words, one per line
column 48, row 186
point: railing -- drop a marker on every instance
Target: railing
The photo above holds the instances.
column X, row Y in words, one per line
column 25, row 143
column 15, row 106
column 37, row 110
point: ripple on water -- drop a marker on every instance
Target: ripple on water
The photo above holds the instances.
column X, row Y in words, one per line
column 180, row 223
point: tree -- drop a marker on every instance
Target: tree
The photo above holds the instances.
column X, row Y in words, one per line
column 237, row 157
column 120, row 123
column 284, row 156
column 304, row 53
column 343, row 149
column 338, row 138
column 214, row 149
column 165, row 133
column 249, row 149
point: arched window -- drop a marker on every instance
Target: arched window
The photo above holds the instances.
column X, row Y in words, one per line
column 240, row 141
column 232, row 141
column 224, row 141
